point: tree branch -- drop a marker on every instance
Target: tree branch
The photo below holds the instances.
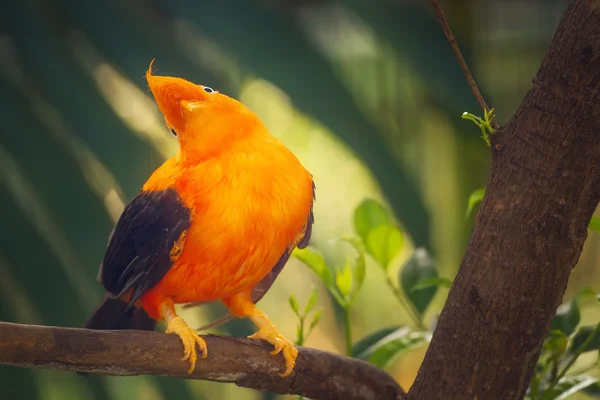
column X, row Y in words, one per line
column 529, row 232
column 461, row 61
column 245, row 362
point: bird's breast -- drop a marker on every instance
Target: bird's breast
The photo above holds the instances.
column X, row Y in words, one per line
column 245, row 214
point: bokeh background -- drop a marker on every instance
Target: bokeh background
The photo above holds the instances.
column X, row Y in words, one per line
column 367, row 94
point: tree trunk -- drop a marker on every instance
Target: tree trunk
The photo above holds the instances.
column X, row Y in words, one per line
column 543, row 188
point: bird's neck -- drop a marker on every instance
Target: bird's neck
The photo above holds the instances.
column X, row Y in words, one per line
column 194, row 152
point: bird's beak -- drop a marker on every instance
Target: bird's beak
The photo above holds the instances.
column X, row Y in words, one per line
column 171, row 94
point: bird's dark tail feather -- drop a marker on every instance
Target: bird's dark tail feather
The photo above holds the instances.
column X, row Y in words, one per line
column 112, row 314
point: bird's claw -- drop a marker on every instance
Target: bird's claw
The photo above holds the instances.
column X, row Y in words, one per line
column 281, row 345
column 189, row 338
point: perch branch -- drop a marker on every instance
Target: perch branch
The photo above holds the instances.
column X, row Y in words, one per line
column 245, row 362
column 461, row 61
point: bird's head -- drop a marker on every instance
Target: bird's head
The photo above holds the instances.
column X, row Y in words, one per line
column 204, row 121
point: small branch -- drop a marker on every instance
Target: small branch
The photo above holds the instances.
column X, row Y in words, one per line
column 461, row 61
column 245, row 362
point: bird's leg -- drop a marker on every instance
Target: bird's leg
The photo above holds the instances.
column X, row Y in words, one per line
column 241, row 306
column 268, row 332
column 188, row 336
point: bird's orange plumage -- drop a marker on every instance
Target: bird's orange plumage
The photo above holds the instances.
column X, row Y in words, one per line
column 224, row 214
column 249, row 195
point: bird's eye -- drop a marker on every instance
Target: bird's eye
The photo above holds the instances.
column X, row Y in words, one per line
column 173, row 132
column 207, row 89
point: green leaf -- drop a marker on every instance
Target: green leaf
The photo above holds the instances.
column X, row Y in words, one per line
column 360, row 271
column 431, row 282
column 580, row 337
column 384, row 243
column 363, row 344
column 359, row 263
column 385, row 351
column 316, row 263
column 360, row 267
column 368, row 215
column 294, row 304
column 595, row 224
column 570, row 385
column 420, row 266
column 315, row 321
column 312, row 300
column 567, row 317
column 555, row 344
column 592, row 391
column 343, row 280
column 475, row 198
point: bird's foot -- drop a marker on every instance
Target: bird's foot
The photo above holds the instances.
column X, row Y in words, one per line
column 281, row 344
column 189, row 338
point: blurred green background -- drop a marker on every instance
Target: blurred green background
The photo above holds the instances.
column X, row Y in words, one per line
column 367, row 94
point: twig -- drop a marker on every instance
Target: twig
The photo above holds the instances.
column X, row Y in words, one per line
column 245, row 362
column 461, row 61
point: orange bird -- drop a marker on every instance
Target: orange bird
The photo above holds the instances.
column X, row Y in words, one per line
column 217, row 221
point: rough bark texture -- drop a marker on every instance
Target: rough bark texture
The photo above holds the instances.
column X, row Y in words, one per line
column 245, row 362
column 529, row 233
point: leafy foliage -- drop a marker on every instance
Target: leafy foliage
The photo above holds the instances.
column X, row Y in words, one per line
column 563, row 345
column 419, row 279
column 369, row 215
column 310, row 311
column 485, row 124
column 475, row 198
column 387, row 349
column 595, row 224
column 380, row 238
column 359, row 348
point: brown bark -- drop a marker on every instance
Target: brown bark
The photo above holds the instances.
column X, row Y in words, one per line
column 245, row 362
column 543, row 188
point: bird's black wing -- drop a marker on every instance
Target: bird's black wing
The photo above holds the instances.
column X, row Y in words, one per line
column 147, row 238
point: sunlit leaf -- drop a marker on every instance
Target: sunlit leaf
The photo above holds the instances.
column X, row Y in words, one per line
column 384, row 243
column 474, row 199
column 386, row 350
column 316, row 263
column 581, row 336
column 312, row 300
column 363, row 344
column 343, row 280
column 431, row 282
column 570, row 385
column 360, row 267
column 368, row 215
column 359, row 274
column 294, row 304
column 315, row 320
column 595, row 224
column 418, row 267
